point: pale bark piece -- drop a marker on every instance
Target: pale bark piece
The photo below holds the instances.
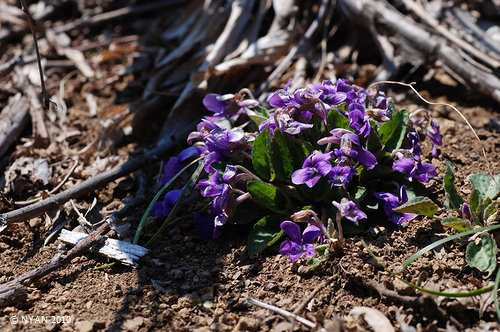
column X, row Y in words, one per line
column 61, row 43
column 124, row 252
column 13, row 119
column 42, row 138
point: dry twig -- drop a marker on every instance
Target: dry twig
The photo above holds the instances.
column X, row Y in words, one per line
column 45, row 95
column 287, row 314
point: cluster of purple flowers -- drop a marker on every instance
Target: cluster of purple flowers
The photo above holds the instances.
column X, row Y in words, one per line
column 340, row 155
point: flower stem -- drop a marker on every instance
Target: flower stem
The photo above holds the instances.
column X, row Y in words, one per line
column 243, row 169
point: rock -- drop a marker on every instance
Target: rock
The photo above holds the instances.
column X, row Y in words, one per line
column 283, row 327
column 402, row 288
column 85, row 326
column 36, row 295
column 247, row 324
column 133, row 324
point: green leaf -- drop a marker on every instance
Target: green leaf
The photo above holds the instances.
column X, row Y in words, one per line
column 353, row 228
column 317, row 131
column 483, row 257
column 360, row 194
column 476, row 206
column 175, row 209
column 281, row 157
column 261, row 111
column 459, row 224
column 322, row 249
column 246, row 212
column 299, row 149
column 454, row 198
column 491, row 212
column 257, row 119
column 420, row 205
column 486, row 185
column 373, row 143
column 314, row 262
column 335, row 119
column 261, row 155
column 157, row 196
column 263, row 234
column 219, row 165
column 393, row 132
column 269, row 196
column 317, row 193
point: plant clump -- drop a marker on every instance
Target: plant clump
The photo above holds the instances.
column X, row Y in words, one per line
column 313, row 164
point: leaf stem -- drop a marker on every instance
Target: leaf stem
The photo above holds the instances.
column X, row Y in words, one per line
column 244, row 169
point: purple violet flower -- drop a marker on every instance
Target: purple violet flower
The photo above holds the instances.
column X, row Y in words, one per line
column 349, row 210
column 421, row 171
column 350, row 146
column 280, row 98
column 203, row 129
column 328, row 92
column 314, row 167
column 175, row 164
column 341, row 175
column 206, row 226
column 357, row 119
column 163, row 208
column 466, row 214
column 415, row 148
column 228, row 106
column 218, row 186
column 435, row 137
column 287, row 124
column 223, row 144
column 392, row 201
column 298, row 245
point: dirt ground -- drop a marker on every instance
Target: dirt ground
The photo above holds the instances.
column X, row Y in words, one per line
column 189, row 284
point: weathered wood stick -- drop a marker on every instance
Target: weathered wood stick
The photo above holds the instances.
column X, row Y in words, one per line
column 13, row 119
column 125, row 252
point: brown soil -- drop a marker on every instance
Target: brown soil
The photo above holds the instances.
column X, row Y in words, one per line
column 195, row 285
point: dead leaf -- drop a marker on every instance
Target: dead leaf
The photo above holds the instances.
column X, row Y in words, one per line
column 373, row 317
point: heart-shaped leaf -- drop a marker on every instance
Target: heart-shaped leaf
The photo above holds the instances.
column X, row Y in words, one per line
column 261, row 155
column 269, row 196
column 335, row 119
column 393, row 132
column 459, row 224
column 281, row 157
column 263, row 234
column 476, row 206
column 487, row 186
column 483, row 256
column 420, row 205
